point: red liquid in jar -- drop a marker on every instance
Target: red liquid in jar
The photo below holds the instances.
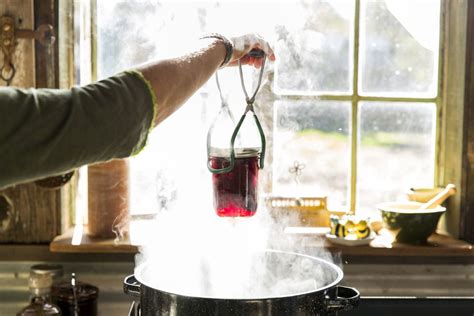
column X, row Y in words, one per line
column 235, row 192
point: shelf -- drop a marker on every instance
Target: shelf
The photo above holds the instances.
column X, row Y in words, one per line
column 41, row 253
column 76, row 239
column 69, row 243
column 439, row 246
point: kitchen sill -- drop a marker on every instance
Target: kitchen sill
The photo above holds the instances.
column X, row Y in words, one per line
column 440, row 248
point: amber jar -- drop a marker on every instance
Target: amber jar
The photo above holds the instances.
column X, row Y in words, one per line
column 108, row 196
column 40, row 300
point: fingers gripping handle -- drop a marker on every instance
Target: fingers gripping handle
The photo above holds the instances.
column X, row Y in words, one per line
column 256, row 53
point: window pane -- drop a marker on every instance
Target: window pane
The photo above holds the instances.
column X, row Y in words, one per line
column 399, row 47
column 315, row 50
column 396, row 150
column 315, row 135
column 121, row 41
column 166, row 171
column 133, row 32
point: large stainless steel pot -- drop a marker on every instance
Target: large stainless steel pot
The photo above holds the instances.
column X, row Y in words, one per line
column 324, row 300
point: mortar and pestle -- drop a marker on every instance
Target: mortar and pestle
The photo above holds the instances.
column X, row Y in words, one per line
column 413, row 222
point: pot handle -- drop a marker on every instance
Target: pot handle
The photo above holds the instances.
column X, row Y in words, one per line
column 342, row 299
column 131, row 286
column 135, row 309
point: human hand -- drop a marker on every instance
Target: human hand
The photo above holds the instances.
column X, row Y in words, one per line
column 244, row 44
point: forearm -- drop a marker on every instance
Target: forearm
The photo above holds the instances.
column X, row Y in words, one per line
column 174, row 81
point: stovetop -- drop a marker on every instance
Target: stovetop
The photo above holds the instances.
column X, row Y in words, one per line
column 413, row 306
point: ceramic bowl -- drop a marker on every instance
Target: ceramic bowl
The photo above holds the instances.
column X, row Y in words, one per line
column 408, row 224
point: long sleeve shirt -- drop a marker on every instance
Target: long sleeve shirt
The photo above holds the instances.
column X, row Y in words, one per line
column 45, row 132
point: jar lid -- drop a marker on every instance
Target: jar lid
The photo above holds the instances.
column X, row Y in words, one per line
column 63, row 291
column 55, row 270
column 238, row 152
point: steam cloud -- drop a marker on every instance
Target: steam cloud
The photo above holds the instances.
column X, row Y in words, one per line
column 186, row 248
column 190, row 251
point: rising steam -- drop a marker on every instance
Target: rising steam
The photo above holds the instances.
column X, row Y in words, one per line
column 207, row 256
column 186, row 248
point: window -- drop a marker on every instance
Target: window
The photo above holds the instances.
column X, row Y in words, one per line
column 357, row 88
column 353, row 100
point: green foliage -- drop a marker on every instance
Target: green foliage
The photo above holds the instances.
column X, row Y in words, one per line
column 373, row 139
column 331, row 136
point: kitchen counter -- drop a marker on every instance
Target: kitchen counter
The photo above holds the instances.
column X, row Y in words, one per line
column 412, row 306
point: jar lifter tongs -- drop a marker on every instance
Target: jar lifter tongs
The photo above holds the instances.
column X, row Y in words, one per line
column 250, row 108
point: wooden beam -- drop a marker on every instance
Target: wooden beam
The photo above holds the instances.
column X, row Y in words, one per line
column 466, row 231
column 40, row 253
column 47, row 75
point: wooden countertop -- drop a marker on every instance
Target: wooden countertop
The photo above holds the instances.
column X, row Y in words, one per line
column 438, row 245
column 384, row 245
column 68, row 243
column 77, row 241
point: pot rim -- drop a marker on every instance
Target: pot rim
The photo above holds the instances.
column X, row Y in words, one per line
column 332, row 284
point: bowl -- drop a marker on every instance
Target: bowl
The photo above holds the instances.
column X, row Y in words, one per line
column 407, row 223
column 422, row 195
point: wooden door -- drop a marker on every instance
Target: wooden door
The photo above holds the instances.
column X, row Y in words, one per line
column 30, row 213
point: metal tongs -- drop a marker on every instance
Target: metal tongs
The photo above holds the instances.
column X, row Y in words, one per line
column 249, row 108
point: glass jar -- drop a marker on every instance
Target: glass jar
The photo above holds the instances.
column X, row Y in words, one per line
column 55, row 270
column 236, row 192
column 40, row 300
column 235, row 153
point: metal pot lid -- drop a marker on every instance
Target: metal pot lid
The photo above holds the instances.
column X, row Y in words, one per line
column 303, row 275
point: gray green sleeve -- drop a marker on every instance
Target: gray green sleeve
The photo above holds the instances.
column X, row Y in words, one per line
column 46, row 132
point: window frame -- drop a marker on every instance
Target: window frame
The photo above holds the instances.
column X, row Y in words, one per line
column 447, row 169
column 356, row 97
column 466, row 216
